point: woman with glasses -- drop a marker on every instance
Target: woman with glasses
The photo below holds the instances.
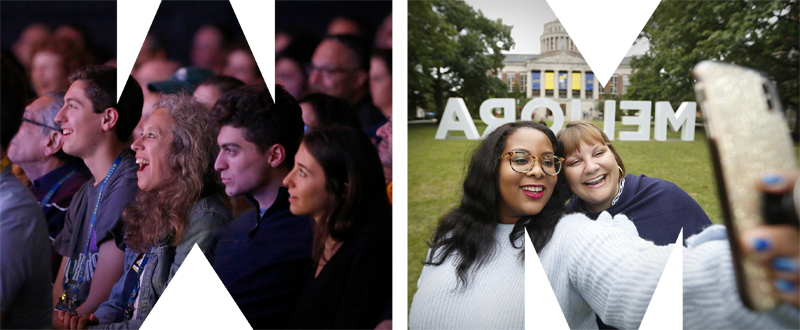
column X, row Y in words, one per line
column 474, row 273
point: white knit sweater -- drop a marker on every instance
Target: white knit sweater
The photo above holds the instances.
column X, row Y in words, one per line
column 594, row 266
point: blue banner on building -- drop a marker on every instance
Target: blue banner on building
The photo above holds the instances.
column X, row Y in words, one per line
column 589, row 81
column 535, row 80
column 562, row 80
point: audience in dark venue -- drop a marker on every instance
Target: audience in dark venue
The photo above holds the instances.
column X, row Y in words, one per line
column 24, row 266
column 321, row 111
column 55, row 176
column 287, row 199
column 264, row 255
column 96, row 129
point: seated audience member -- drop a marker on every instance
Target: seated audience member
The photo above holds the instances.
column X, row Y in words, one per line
column 24, row 270
column 209, row 48
column 55, row 175
column 180, row 204
column 155, row 70
column 241, row 64
column 337, row 179
column 340, row 68
column 212, row 88
column 53, row 62
column 31, row 36
column 383, row 37
column 321, row 111
column 385, row 88
column 352, row 25
column 96, row 129
column 82, row 37
column 290, row 68
column 263, row 256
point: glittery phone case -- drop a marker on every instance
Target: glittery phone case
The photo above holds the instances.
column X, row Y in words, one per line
column 748, row 134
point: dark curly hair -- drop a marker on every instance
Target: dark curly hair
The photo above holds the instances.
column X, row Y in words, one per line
column 467, row 231
column 101, row 90
column 349, row 159
column 265, row 122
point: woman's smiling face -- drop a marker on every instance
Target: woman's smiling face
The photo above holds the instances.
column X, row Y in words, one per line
column 592, row 175
column 525, row 194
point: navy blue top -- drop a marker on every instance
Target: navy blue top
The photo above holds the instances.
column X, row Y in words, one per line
column 56, row 208
column 264, row 262
column 658, row 209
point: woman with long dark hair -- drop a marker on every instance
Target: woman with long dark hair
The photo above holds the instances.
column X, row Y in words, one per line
column 180, row 205
column 338, row 180
column 474, row 274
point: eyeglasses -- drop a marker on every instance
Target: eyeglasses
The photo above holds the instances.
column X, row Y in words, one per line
column 327, row 71
column 522, row 162
column 42, row 125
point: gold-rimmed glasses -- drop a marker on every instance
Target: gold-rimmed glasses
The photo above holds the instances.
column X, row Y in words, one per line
column 522, row 162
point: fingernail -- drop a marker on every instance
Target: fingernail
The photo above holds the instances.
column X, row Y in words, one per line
column 785, row 264
column 770, row 179
column 761, row 245
column 784, row 285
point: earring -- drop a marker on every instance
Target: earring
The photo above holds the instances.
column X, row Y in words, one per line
column 621, row 172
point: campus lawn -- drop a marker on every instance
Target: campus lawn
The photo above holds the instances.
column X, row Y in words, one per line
column 436, row 169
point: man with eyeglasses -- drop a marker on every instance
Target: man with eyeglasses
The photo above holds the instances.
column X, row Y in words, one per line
column 55, row 176
column 340, row 68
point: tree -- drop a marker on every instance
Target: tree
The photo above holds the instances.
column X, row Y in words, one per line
column 451, row 51
column 759, row 34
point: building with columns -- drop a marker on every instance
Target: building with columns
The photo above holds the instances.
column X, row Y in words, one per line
column 560, row 73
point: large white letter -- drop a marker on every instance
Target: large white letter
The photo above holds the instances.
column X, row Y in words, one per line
column 642, row 119
column 509, row 110
column 609, row 115
column 684, row 117
column 576, row 113
column 558, row 117
column 456, row 118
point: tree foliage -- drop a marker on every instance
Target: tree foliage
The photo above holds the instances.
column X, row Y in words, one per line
column 451, row 50
column 759, row 34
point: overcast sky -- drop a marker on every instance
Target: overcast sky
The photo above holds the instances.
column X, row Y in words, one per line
column 527, row 18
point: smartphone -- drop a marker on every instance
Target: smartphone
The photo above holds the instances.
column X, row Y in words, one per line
column 748, row 134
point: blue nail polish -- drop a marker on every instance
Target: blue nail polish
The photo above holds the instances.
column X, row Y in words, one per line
column 761, row 245
column 784, row 285
column 770, row 179
column 785, row 264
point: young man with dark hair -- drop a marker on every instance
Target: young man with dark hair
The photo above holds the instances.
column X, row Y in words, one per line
column 95, row 129
column 263, row 256
column 24, row 266
column 55, row 176
column 340, row 68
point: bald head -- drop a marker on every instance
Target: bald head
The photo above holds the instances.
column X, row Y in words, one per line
column 155, row 70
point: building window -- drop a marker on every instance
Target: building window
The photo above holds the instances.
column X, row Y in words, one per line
column 576, row 85
column 613, row 85
column 523, row 82
column 562, row 84
column 600, row 88
column 625, row 83
column 536, row 83
column 549, row 83
column 510, row 81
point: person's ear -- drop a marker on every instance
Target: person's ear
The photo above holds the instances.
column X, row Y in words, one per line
column 54, row 143
column 277, row 154
column 110, row 117
column 362, row 78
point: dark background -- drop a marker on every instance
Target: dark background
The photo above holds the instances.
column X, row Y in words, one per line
column 176, row 21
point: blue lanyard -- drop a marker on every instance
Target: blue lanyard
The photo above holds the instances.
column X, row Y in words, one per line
column 52, row 191
column 137, row 272
column 91, row 227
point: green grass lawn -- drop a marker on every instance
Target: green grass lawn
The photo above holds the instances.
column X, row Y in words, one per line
column 436, row 169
